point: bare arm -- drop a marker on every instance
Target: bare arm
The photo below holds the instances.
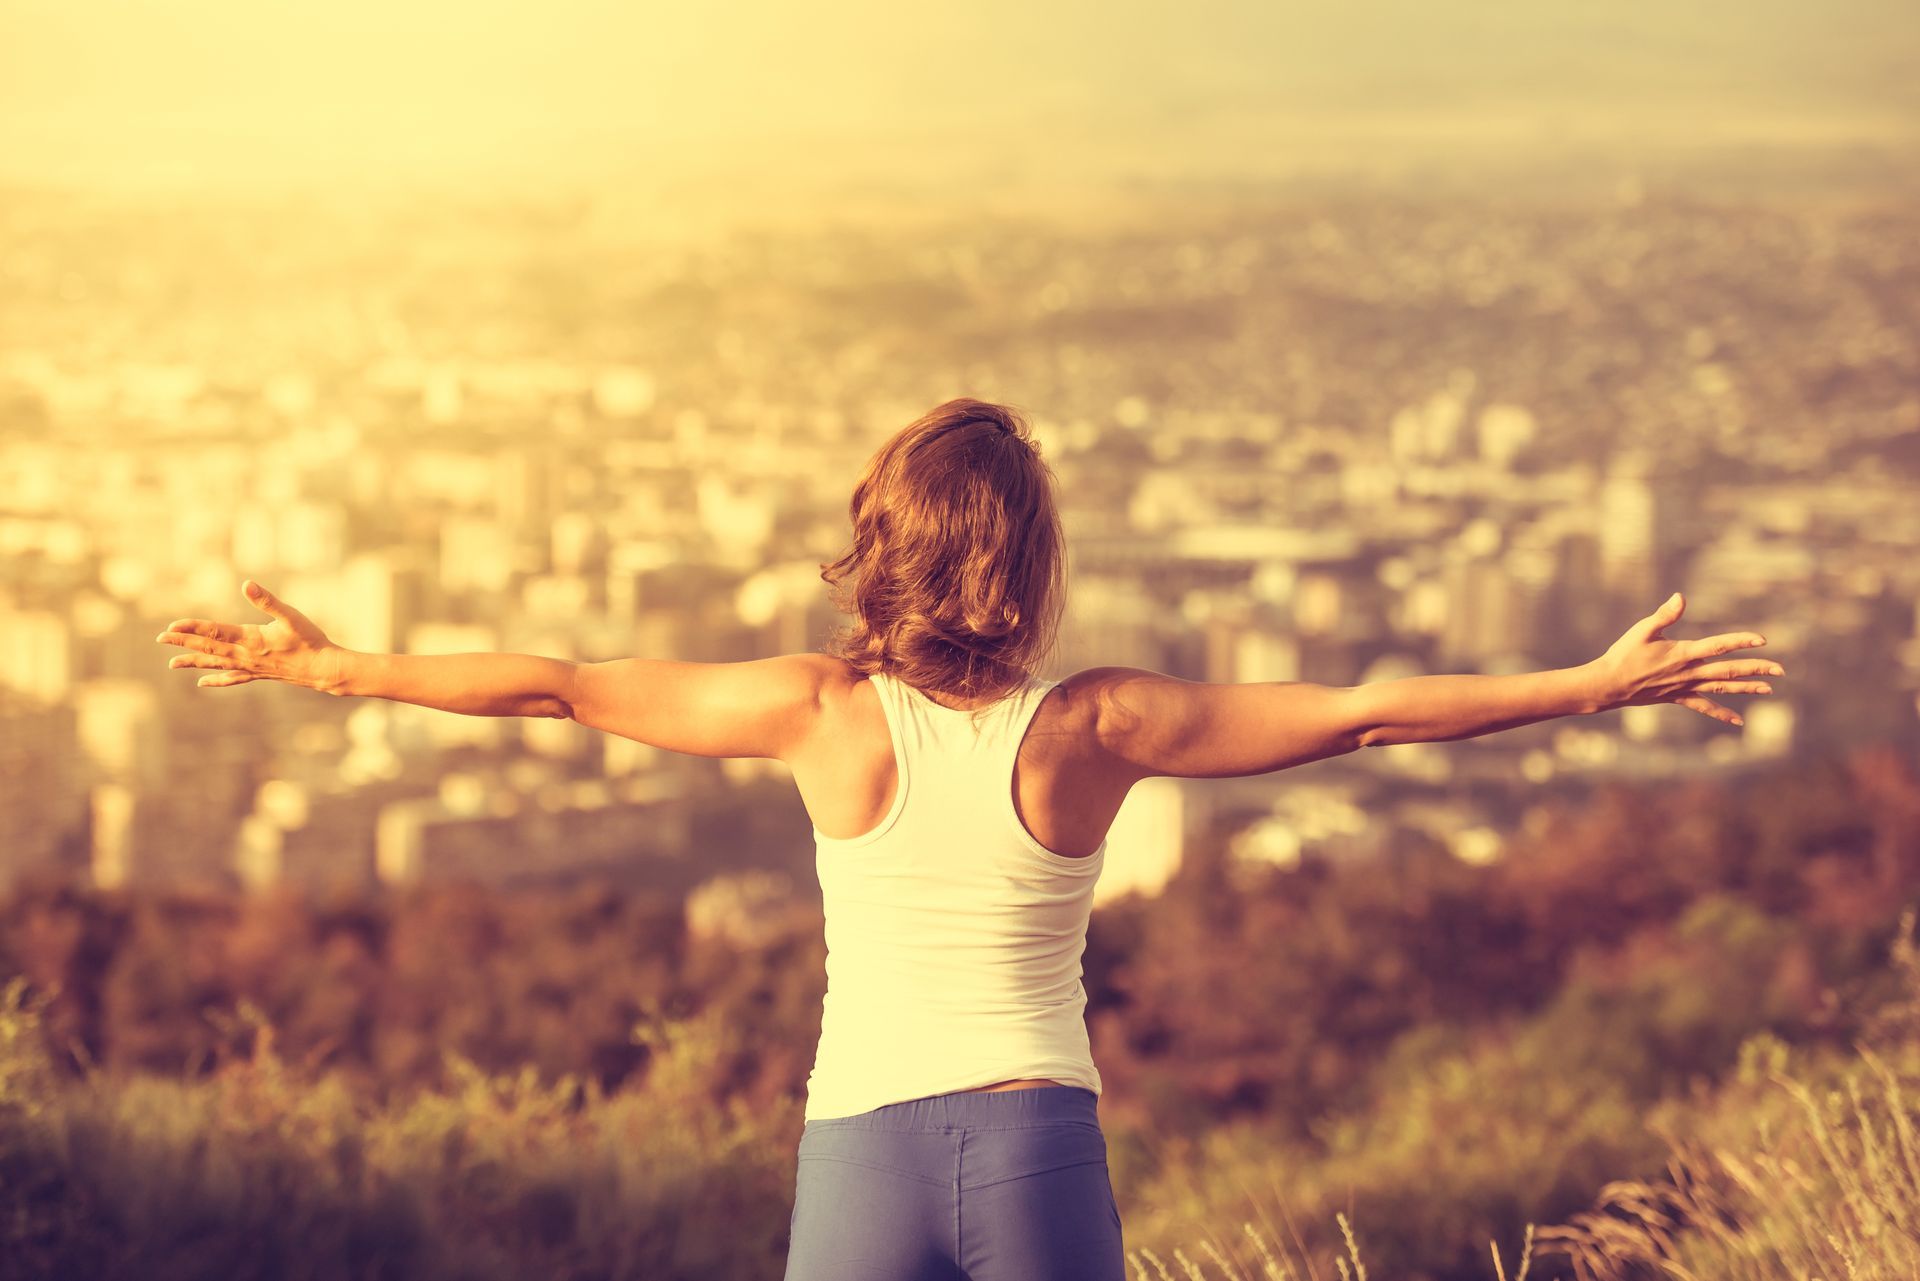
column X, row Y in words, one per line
column 470, row 684
column 1158, row 724
column 1154, row 724
column 1151, row 724
column 762, row 707
column 291, row 648
column 1433, row 709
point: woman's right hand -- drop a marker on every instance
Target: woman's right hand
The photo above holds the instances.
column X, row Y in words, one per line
column 1642, row 667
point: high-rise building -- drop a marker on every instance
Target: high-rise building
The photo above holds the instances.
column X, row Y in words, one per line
column 1503, row 432
column 1109, row 622
column 476, row 554
column 579, row 543
column 36, row 654
column 113, row 814
column 526, row 486
column 1484, row 612
column 1262, row 654
column 1638, row 518
column 121, row 731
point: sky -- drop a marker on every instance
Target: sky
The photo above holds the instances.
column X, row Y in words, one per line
column 391, row 92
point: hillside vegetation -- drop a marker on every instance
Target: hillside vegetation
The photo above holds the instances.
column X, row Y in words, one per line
column 1674, row 1033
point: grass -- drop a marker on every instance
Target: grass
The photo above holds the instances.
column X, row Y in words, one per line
column 1807, row 1175
column 1814, row 1179
column 1801, row 1165
column 1803, row 1162
column 1271, row 1266
column 256, row 1173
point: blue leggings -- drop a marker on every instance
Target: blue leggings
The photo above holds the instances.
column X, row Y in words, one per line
column 1010, row 1185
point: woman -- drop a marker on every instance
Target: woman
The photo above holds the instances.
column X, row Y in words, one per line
column 960, row 806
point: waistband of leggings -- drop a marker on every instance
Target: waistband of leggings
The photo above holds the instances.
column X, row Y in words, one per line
column 975, row 1109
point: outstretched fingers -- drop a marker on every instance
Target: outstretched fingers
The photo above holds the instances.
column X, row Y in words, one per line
column 1712, row 646
column 228, row 632
column 203, row 644
column 1729, row 687
column 1707, row 707
column 1701, row 670
column 206, row 660
column 225, row 671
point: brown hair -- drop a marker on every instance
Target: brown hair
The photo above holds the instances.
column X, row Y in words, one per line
column 957, row 573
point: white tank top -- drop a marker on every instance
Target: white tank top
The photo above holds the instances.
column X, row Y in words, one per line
column 954, row 937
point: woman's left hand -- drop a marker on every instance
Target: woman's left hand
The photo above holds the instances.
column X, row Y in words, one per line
column 289, row 648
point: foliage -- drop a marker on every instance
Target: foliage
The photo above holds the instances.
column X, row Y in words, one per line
column 250, row 1172
column 1658, row 1004
column 1799, row 1164
column 1802, row 1165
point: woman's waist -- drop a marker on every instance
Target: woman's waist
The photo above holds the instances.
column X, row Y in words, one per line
column 1073, row 1098
column 1031, row 1083
column 865, row 1042
column 1054, row 1005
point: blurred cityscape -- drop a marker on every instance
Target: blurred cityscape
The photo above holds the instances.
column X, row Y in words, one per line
column 1300, row 435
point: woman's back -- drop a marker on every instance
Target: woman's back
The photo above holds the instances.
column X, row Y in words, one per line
column 954, row 934
column 1064, row 787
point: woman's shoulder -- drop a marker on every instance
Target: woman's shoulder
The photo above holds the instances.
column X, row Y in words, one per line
column 836, row 676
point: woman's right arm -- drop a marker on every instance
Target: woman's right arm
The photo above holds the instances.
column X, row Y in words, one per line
column 1153, row 724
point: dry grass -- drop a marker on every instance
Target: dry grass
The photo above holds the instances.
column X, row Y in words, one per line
column 1835, row 1192
column 255, row 1173
column 1802, row 1165
column 1814, row 1179
column 1827, row 1189
column 1811, row 1175
column 1272, row 1266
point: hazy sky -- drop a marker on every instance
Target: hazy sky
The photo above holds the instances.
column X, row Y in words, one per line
column 234, row 91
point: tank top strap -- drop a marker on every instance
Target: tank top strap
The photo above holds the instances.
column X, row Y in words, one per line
column 897, row 706
column 1024, row 706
